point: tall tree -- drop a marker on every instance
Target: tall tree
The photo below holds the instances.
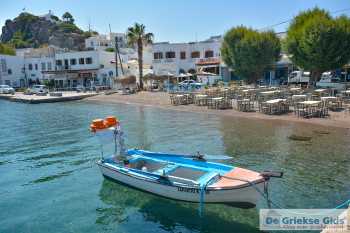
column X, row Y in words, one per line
column 68, row 18
column 318, row 42
column 6, row 49
column 249, row 52
column 138, row 38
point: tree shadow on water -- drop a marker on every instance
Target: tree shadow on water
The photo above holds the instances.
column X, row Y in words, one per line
column 170, row 214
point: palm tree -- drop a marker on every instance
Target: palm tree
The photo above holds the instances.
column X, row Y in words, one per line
column 138, row 37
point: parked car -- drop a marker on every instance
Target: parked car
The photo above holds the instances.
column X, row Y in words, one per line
column 38, row 89
column 6, row 89
column 189, row 83
column 329, row 80
column 80, row 88
column 299, row 77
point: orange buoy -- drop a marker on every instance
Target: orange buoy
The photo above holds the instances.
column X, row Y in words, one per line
column 98, row 124
column 93, row 128
column 110, row 121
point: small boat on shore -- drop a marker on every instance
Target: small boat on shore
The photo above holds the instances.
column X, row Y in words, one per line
column 188, row 178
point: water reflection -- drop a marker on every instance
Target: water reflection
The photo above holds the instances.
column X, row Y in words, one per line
column 121, row 201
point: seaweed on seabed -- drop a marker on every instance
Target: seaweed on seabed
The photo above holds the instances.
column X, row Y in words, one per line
column 299, row 138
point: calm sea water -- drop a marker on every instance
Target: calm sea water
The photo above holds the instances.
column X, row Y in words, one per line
column 50, row 183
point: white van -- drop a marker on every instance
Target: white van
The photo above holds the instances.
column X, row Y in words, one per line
column 39, row 89
column 299, row 76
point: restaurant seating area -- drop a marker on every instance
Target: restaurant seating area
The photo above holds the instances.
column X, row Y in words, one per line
column 306, row 103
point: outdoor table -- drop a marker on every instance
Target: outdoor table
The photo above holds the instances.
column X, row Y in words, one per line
column 311, row 102
column 346, row 93
column 334, row 103
column 270, row 92
column 275, row 106
column 201, row 100
column 295, row 90
column 189, row 98
column 320, row 90
column 213, row 102
column 181, row 99
column 245, row 105
column 266, row 95
column 219, row 103
column 327, row 98
column 295, row 97
column 312, row 108
column 275, row 101
column 248, row 90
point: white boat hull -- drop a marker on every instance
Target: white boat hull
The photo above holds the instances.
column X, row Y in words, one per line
column 246, row 196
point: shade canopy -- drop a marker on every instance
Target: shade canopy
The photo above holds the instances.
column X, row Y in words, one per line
column 127, row 80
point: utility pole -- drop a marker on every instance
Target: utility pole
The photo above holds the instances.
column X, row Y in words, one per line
column 1, row 75
column 116, row 56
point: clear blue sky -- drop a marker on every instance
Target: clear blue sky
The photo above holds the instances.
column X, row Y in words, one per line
column 172, row 20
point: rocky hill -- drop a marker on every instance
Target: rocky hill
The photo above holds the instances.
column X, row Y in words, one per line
column 27, row 30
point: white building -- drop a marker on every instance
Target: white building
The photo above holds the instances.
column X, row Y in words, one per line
column 102, row 42
column 177, row 58
column 35, row 66
column 11, row 71
column 84, row 68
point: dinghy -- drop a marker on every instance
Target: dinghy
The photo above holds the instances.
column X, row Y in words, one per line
column 190, row 178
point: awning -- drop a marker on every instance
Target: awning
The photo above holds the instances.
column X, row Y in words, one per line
column 208, row 61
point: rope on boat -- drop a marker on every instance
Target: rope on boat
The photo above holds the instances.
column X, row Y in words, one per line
column 265, row 195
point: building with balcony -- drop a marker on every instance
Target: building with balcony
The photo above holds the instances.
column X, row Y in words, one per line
column 195, row 57
column 82, row 68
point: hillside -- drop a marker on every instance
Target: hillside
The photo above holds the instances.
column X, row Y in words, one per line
column 27, row 30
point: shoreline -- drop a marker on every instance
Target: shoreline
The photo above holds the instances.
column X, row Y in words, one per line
column 161, row 100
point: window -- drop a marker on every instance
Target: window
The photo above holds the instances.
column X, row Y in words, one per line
column 9, row 71
column 73, row 61
column 59, row 62
column 81, row 61
column 36, row 66
column 170, row 54
column 3, row 65
column 30, row 67
column 43, row 66
column 49, row 66
column 209, row 53
column 195, row 54
column 88, row 60
column 158, row 55
column 183, row 55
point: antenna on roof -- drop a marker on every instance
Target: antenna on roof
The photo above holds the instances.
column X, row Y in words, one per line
column 89, row 25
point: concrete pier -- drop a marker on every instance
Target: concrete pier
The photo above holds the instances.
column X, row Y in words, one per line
column 35, row 99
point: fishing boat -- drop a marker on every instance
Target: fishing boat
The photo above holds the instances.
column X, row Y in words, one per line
column 190, row 178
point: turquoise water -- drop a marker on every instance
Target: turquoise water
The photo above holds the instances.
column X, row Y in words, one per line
column 50, row 183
